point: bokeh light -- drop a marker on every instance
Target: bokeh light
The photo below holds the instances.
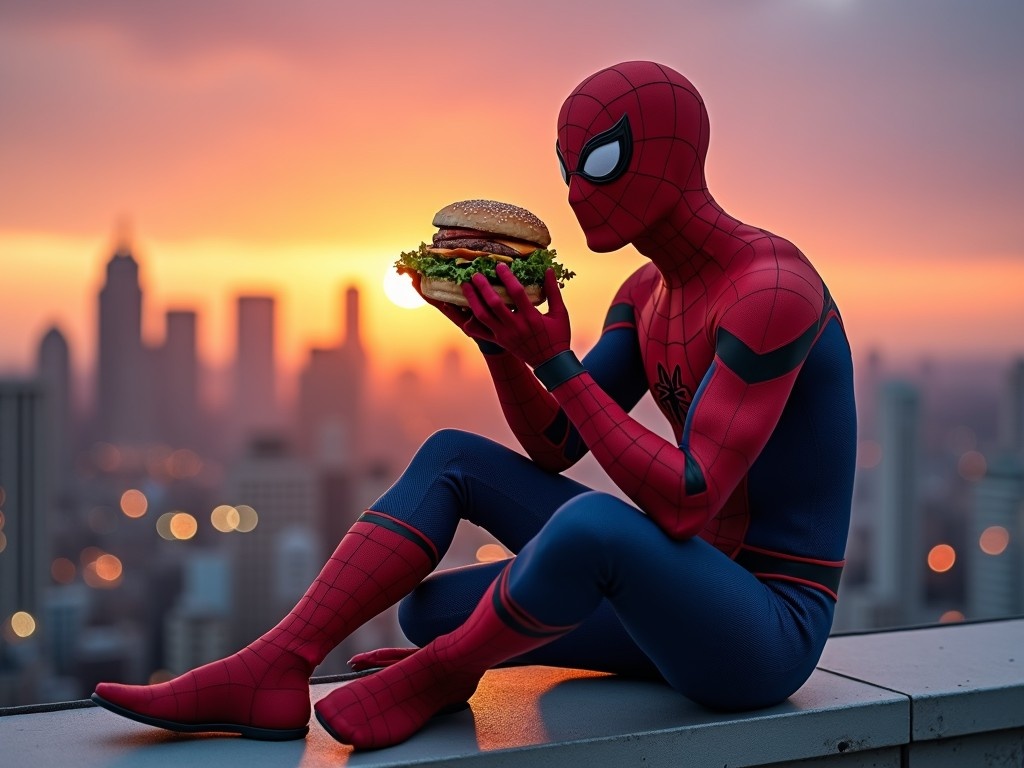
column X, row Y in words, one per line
column 106, row 457
column 492, row 553
column 108, row 567
column 103, row 572
column 3, row 541
column 994, row 540
column 183, row 526
column 89, row 555
column 247, row 518
column 941, row 558
column 63, row 570
column 23, row 624
column 2, row 519
column 972, row 466
column 398, row 288
column 134, row 503
column 951, row 617
column 225, row 518
column 163, row 526
column 3, row 495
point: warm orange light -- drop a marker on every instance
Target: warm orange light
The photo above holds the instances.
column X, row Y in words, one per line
column 994, row 540
column 869, row 454
column 134, row 503
column 63, row 570
column 183, row 526
column 950, row 617
column 972, row 466
column 23, row 624
column 3, row 541
column 941, row 558
column 398, row 288
column 492, row 553
column 108, row 567
column 247, row 518
column 225, row 518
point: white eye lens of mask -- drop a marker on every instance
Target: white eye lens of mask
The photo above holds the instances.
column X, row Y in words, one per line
column 602, row 160
column 561, row 167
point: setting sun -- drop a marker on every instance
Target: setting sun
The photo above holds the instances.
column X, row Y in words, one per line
column 398, row 288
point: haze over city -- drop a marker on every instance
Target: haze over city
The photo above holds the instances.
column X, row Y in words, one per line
column 293, row 153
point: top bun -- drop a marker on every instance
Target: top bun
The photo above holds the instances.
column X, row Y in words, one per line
column 495, row 218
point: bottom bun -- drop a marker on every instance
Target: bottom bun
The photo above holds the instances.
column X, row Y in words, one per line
column 451, row 293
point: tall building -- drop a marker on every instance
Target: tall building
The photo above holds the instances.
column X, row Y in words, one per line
column 53, row 368
column 255, row 376
column 197, row 630
column 123, row 378
column 898, row 557
column 23, row 499
column 995, row 557
column 1012, row 422
column 331, row 397
column 178, row 381
column 283, row 492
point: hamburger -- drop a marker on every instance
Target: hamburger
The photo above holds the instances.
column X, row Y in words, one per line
column 475, row 236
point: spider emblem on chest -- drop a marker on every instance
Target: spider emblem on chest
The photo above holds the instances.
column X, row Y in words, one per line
column 672, row 394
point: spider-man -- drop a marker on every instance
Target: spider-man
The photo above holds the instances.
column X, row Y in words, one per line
column 720, row 578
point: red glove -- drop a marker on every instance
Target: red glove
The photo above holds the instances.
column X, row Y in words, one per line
column 525, row 332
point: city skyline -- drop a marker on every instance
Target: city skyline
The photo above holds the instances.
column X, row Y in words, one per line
column 265, row 158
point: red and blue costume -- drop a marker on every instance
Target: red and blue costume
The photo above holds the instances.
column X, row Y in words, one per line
column 720, row 577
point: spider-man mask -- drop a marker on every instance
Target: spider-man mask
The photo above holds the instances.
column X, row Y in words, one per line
column 631, row 139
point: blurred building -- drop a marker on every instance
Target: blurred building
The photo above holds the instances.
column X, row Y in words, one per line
column 255, row 405
column 995, row 557
column 23, row 536
column 1012, row 420
column 123, row 377
column 331, row 397
column 197, row 630
column 177, row 384
column 898, row 558
column 282, row 493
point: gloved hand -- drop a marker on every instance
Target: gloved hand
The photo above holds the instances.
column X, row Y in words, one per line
column 524, row 331
column 381, row 657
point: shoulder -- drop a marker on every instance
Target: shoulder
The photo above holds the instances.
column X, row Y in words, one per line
column 773, row 294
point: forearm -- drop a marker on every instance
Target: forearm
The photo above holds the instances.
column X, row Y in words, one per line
column 529, row 409
column 662, row 479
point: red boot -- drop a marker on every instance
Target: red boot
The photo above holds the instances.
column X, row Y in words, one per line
column 391, row 705
column 262, row 691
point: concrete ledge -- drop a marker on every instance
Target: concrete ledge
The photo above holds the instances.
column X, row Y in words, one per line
column 889, row 699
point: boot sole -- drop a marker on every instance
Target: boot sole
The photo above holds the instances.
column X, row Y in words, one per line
column 246, row 731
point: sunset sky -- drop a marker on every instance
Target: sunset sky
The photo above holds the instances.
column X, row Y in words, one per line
column 296, row 148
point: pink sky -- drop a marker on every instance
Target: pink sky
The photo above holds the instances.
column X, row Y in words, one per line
column 296, row 149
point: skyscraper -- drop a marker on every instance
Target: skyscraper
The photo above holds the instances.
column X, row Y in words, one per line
column 331, row 397
column 283, row 492
column 123, row 378
column 255, row 382
column 23, row 536
column 1012, row 422
column 898, row 557
column 178, row 382
column 53, row 368
column 995, row 556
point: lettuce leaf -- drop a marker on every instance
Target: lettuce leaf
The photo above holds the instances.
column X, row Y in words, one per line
column 529, row 271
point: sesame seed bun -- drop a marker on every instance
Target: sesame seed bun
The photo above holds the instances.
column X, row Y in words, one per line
column 496, row 218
